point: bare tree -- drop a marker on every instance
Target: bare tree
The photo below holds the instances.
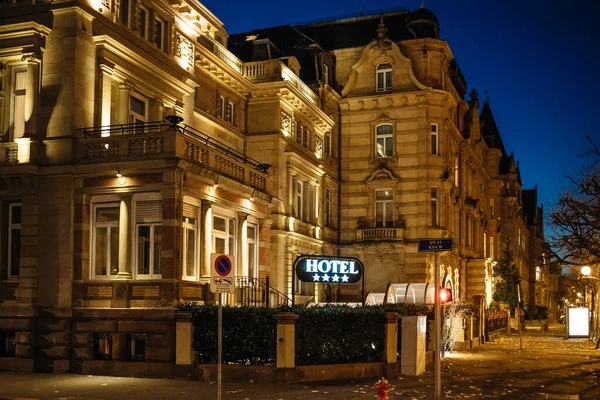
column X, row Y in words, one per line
column 575, row 220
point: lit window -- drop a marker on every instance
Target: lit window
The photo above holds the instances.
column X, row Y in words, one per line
column 190, row 265
column 144, row 22
column 456, row 170
column 18, row 102
column 103, row 346
column 148, row 218
column 105, row 249
column 14, row 240
column 384, row 77
column 492, row 247
column 384, row 140
column 434, row 139
column 538, row 274
column 138, row 111
column 252, row 249
column 384, row 208
column 434, row 206
column 492, row 208
column 223, row 235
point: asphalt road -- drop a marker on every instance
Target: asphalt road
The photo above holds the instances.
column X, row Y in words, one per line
column 548, row 367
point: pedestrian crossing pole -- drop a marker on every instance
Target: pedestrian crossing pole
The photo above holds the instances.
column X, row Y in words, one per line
column 436, row 328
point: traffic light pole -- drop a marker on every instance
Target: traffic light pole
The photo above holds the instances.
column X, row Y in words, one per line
column 436, row 328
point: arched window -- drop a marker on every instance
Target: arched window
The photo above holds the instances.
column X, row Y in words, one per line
column 384, row 141
column 384, row 77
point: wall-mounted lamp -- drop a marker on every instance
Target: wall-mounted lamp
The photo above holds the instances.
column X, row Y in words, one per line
column 119, row 175
column 252, row 196
column 121, row 180
column 216, row 184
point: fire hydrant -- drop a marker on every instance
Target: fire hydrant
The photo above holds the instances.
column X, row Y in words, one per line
column 382, row 387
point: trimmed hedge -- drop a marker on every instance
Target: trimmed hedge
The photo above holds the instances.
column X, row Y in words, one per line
column 331, row 334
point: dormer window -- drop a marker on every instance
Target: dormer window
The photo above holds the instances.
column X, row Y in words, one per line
column 384, row 77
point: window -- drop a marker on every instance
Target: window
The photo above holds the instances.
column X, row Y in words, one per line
column 190, row 239
column 384, row 140
column 103, row 346
column 138, row 111
column 327, row 210
column 469, row 227
column 19, row 77
column 148, row 219
column 298, row 201
column 223, row 235
column 434, row 206
column 252, row 249
column 325, row 74
column 384, row 208
column 137, row 347
column 160, row 33
column 492, row 247
column 306, row 138
column 434, row 140
column 492, row 208
column 144, row 22
column 538, row 274
column 8, row 344
column 126, row 13
column 14, row 240
column 384, row 77
column 105, row 250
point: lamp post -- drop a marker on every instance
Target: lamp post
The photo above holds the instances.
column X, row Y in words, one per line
column 586, row 273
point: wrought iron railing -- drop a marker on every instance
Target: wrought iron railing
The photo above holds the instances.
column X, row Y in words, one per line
column 257, row 292
column 495, row 322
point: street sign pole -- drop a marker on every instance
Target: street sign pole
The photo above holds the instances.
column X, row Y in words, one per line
column 220, row 345
column 435, row 246
column 436, row 328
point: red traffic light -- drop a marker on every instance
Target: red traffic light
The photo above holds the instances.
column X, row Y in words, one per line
column 445, row 295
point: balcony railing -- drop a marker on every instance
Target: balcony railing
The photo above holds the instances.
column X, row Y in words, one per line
column 221, row 52
column 257, row 292
column 128, row 142
column 380, row 234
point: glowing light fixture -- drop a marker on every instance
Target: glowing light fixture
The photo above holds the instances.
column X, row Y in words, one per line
column 586, row 271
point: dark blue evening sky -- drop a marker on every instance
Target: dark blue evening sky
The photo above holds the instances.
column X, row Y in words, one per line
column 538, row 60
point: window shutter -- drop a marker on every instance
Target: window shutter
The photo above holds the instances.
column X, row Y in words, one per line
column 190, row 211
column 148, row 211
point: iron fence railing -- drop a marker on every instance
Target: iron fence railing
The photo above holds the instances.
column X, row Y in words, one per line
column 257, row 292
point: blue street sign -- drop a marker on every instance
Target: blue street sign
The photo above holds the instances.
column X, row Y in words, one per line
column 435, row 244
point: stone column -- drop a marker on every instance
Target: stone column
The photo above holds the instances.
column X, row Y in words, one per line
column 286, row 340
column 124, row 217
column 205, row 238
column 106, row 69
column 188, row 107
column 123, row 113
column 184, row 337
column 31, row 98
column 241, row 224
column 291, row 189
column 391, row 344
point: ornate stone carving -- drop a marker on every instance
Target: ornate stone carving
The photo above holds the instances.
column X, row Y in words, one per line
column 184, row 49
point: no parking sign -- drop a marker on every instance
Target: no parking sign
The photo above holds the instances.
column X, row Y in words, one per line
column 222, row 277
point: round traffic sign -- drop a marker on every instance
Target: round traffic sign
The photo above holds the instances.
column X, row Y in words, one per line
column 223, row 265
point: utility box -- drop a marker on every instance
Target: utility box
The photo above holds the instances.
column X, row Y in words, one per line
column 414, row 339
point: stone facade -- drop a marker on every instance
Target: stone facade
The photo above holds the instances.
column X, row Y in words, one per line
column 138, row 138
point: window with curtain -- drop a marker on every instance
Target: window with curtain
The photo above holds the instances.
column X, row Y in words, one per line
column 384, row 208
column 148, row 226
column 384, row 141
column 105, row 242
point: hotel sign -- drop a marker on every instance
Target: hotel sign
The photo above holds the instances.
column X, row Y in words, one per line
column 310, row 268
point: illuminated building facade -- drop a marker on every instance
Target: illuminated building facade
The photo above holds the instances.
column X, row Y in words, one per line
column 138, row 138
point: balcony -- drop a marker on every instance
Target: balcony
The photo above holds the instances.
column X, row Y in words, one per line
column 380, row 234
column 157, row 140
column 221, row 52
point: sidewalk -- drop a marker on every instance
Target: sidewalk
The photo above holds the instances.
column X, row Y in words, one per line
column 548, row 367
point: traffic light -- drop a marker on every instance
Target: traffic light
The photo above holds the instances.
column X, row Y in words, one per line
column 445, row 295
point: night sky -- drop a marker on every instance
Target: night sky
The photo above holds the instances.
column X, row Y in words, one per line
column 539, row 62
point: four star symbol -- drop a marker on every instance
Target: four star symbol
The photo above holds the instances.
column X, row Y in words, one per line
column 326, row 278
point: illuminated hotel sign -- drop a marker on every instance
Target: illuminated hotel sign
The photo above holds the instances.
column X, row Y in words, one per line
column 328, row 269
